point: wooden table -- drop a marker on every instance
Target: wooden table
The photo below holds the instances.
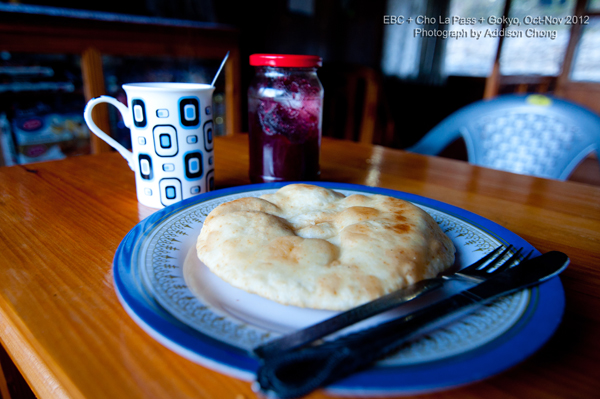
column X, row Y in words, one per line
column 61, row 222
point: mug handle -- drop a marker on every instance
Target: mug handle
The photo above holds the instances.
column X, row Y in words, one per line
column 87, row 115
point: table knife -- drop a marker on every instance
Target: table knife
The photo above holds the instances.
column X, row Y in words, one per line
column 344, row 319
column 319, row 365
column 347, row 318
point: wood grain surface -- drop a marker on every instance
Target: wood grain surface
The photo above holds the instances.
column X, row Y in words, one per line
column 61, row 223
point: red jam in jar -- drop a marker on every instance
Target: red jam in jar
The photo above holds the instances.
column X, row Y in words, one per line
column 285, row 106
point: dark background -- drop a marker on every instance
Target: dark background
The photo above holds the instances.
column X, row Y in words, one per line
column 345, row 33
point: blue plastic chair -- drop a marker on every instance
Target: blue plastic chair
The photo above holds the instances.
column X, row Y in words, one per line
column 526, row 134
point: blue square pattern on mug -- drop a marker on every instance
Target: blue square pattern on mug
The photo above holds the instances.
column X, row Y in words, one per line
column 165, row 140
column 189, row 117
column 139, row 113
column 208, row 135
column 193, row 165
column 170, row 192
column 189, row 112
column 210, row 180
column 145, row 165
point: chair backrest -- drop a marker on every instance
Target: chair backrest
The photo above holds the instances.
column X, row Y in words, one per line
column 355, row 108
column 527, row 134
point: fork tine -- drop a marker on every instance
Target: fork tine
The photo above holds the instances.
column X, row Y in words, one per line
column 477, row 265
column 508, row 262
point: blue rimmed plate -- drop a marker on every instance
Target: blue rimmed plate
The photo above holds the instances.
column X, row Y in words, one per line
column 179, row 302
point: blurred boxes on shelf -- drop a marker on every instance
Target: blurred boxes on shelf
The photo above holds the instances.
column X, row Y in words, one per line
column 41, row 108
column 48, row 137
column 43, row 138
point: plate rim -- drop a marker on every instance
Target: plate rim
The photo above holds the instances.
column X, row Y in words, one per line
column 472, row 366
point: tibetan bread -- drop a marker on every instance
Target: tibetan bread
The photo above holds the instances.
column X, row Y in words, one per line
column 312, row 247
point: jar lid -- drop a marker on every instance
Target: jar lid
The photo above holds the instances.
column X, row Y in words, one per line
column 286, row 60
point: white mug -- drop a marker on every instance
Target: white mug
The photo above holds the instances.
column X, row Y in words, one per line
column 171, row 137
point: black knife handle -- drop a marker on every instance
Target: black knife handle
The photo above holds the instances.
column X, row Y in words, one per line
column 297, row 372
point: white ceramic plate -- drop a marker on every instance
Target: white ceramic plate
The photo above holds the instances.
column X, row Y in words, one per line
column 219, row 325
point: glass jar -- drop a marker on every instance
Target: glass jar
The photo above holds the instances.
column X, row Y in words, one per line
column 285, row 107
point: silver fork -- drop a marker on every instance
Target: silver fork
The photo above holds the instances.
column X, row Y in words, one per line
column 480, row 270
column 475, row 273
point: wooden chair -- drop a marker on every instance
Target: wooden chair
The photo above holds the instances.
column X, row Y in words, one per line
column 354, row 106
column 497, row 84
column 583, row 93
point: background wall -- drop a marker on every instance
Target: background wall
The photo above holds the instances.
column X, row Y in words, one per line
column 346, row 33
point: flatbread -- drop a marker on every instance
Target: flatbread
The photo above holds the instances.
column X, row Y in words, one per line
column 313, row 247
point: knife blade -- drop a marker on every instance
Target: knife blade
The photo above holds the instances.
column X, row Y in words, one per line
column 319, row 365
column 347, row 318
column 342, row 320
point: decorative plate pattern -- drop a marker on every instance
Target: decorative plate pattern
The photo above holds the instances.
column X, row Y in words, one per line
column 149, row 275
